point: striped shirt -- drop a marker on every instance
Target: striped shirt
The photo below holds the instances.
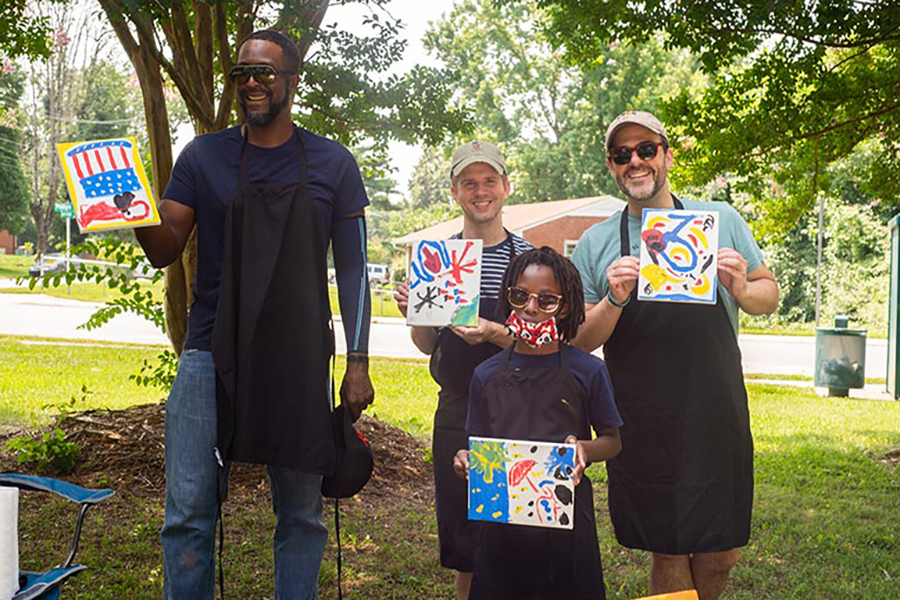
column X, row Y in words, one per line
column 494, row 260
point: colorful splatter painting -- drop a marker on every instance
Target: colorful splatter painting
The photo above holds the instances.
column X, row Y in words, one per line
column 521, row 482
column 107, row 184
column 678, row 256
column 444, row 282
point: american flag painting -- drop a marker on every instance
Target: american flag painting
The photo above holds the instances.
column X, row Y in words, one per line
column 107, row 183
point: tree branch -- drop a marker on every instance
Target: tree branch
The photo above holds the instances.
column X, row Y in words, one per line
column 203, row 34
column 193, row 103
column 713, row 31
column 193, row 75
column 848, row 122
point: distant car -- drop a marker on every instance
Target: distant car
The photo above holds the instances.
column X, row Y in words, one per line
column 55, row 263
column 377, row 273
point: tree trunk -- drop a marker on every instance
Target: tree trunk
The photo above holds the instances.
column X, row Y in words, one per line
column 177, row 295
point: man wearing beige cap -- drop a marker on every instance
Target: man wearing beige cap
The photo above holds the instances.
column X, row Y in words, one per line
column 479, row 184
column 682, row 487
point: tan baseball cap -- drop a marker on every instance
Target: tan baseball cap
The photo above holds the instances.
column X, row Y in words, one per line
column 637, row 117
column 474, row 152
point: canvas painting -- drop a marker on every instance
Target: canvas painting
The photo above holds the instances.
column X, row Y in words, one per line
column 107, row 184
column 444, row 282
column 521, row 482
column 678, row 256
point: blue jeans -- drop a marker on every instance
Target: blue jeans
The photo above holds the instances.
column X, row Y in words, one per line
column 188, row 535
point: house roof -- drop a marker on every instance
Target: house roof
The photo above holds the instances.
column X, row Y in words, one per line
column 519, row 218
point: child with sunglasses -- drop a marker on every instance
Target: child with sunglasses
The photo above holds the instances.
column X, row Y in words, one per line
column 542, row 389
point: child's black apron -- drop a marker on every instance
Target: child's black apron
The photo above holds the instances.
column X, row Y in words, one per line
column 534, row 563
column 272, row 337
column 683, row 482
column 452, row 364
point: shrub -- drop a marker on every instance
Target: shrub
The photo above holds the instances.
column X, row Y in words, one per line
column 47, row 452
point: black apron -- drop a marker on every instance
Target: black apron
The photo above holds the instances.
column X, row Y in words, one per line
column 535, row 563
column 452, row 364
column 683, row 482
column 272, row 337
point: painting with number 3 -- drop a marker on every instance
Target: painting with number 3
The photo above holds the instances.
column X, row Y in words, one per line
column 444, row 283
column 678, row 256
column 522, row 482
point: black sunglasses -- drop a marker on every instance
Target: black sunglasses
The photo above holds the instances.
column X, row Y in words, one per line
column 621, row 155
column 264, row 74
column 518, row 298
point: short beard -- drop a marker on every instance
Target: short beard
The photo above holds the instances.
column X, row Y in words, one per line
column 261, row 119
column 658, row 183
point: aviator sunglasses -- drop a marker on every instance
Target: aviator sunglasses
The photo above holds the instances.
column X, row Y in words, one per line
column 518, row 298
column 621, row 155
column 265, row 74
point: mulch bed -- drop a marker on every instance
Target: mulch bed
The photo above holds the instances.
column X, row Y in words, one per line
column 123, row 449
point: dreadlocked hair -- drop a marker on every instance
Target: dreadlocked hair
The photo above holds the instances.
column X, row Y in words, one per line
column 567, row 278
column 290, row 55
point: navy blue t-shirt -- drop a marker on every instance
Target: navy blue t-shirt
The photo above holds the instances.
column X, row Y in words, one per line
column 589, row 370
column 206, row 175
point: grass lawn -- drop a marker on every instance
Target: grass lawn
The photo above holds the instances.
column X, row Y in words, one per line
column 826, row 521
column 40, row 376
column 12, row 266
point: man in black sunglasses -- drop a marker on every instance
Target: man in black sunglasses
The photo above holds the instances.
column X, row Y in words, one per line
column 682, row 487
column 253, row 382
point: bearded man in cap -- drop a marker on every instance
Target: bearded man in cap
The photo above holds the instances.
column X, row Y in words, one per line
column 682, row 487
column 480, row 185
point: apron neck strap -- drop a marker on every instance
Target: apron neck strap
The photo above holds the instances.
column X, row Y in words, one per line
column 504, row 361
column 507, row 354
column 301, row 157
column 624, row 238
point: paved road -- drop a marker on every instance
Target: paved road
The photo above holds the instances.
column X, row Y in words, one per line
column 43, row 316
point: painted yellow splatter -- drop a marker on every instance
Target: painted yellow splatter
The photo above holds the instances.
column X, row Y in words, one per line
column 657, row 277
column 700, row 236
column 703, row 287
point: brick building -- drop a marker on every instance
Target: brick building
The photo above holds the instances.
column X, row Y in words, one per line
column 558, row 224
column 7, row 242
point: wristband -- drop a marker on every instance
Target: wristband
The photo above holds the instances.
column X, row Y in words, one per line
column 360, row 358
column 615, row 302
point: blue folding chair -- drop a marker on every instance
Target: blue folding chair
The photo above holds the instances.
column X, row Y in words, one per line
column 45, row 586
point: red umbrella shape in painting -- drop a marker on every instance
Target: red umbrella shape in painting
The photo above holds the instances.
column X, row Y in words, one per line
column 520, row 471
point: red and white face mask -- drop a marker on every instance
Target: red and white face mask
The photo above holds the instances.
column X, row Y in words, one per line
column 533, row 334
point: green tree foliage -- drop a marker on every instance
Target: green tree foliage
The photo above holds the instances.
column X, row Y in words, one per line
column 429, row 183
column 549, row 116
column 14, row 192
column 854, row 270
column 794, row 86
column 372, row 160
column 22, row 32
